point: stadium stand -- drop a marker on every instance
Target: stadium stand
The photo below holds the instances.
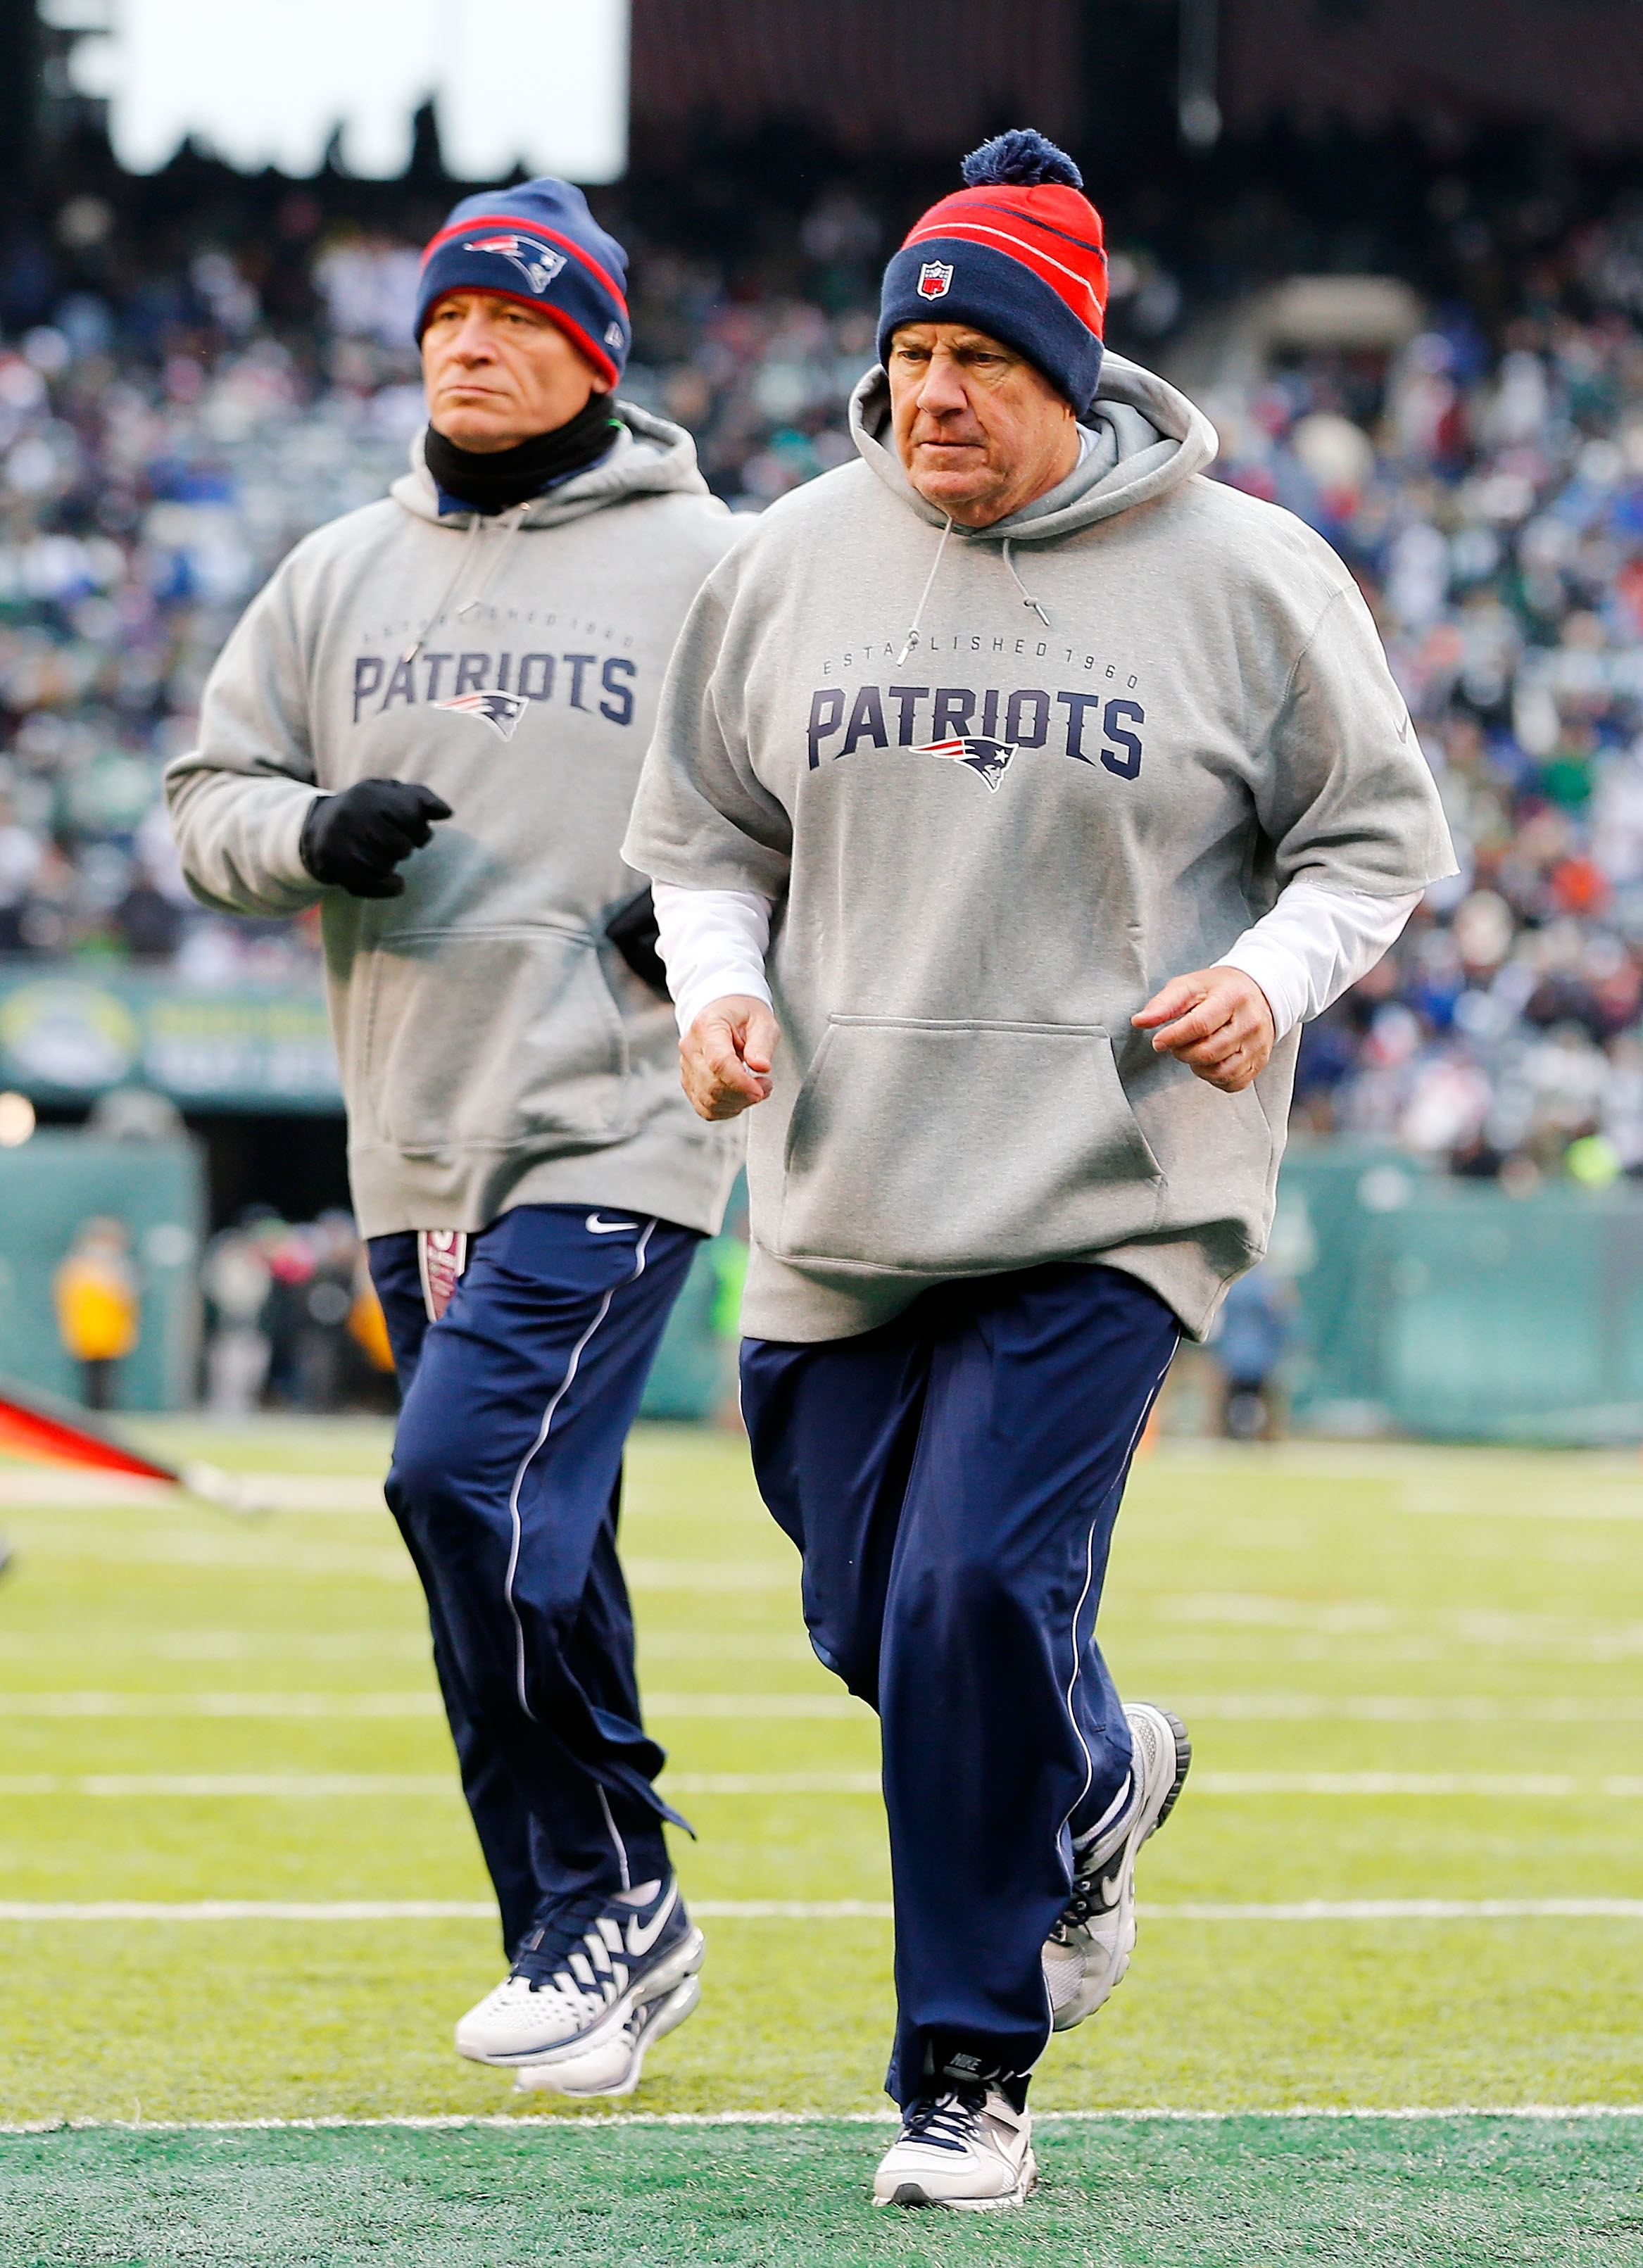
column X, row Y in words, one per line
column 179, row 402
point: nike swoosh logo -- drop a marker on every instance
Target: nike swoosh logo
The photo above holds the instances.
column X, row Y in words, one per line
column 597, row 1227
column 640, row 1938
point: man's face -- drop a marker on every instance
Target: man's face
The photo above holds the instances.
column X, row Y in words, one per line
column 496, row 371
column 979, row 430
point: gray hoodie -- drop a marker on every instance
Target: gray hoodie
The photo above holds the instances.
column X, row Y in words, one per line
column 495, row 1049
column 1127, row 717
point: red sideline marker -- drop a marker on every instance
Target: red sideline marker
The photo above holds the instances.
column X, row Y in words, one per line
column 34, row 1424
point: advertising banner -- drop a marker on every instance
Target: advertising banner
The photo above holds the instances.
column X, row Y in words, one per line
column 68, row 1035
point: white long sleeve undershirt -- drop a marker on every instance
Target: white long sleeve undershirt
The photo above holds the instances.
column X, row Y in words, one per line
column 1304, row 954
column 1315, row 945
column 712, row 942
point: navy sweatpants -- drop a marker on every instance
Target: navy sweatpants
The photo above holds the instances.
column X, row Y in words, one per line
column 506, row 1482
column 952, row 1481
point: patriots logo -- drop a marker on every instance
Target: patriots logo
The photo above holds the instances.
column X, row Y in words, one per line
column 989, row 758
column 537, row 263
column 500, row 711
column 935, row 279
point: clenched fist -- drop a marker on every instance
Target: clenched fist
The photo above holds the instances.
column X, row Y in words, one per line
column 355, row 839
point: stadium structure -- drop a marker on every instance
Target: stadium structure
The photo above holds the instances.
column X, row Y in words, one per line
column 1390, row 1950
column 1394, row 251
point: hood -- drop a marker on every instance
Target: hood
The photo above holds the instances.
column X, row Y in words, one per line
column 1148, row 439
column 650, row 457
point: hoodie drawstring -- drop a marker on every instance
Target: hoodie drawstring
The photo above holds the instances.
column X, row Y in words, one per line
column 515, row 520
column 511, row 523
column 472, row 537
column 918, row 611
column 1027, row 599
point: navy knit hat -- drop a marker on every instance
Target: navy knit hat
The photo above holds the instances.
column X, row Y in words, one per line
column 538, row 243
column 1018, row 253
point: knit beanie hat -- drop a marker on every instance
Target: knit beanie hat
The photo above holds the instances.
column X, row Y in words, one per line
column 538, row 243
column 1018, row 253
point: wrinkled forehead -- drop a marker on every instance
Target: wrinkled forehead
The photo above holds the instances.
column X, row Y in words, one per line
column 465, row 298
column 930, row 338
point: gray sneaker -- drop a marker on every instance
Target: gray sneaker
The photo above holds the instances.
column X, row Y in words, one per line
column 1088, row 1950
column 968, row 2148
column 588, row 1965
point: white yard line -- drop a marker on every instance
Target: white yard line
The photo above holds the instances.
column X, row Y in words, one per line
column 734, row 1705
column 246, row 1548
column 281, row 1785
column 1375, row 1619
column 861, row 1783
column 425, row 1704
column 378, row 1910
column 1365, row 2114
column 1227, row 1708
column 1622, row 1787
column 346, row 1910
column 1402, row 1709
column 299, row 1786
column 341, row 1909
column 1379, row 1909
column 220, row 1704
column 711, row 1574
column 69, row 1488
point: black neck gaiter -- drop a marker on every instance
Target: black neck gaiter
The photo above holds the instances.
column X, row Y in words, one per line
column 495, row 481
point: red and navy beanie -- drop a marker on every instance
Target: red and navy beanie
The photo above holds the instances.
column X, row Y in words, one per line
column 1018, row 253
column 538, row 243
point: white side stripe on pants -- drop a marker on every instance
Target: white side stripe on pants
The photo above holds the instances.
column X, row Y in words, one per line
column 1089, row 1576
column 560, row 1391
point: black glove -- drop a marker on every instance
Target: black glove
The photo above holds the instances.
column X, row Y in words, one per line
column 357, row 839
column 631, row 929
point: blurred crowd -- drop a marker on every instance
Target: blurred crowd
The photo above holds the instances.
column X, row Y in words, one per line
column 158, row 451
column 292, row 1320
column 1490, row 501
column 164, row 440
column 162, row 445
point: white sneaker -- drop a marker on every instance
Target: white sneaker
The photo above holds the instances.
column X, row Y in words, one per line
column 968, row 2148
column 583, row 1974
column 1088, row 1950
column 616, row 2067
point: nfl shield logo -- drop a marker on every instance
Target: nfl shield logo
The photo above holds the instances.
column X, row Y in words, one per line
column 934, row 278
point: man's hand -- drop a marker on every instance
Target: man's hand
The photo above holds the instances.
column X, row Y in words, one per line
column 1216, row 1021
column 355, row 840
column 727, row 1054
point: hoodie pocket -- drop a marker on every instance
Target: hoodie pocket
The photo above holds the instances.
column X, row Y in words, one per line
column 952, row 1147
column 491, row 1039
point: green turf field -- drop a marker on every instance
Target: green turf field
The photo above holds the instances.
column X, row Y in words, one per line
column 1413, row 1677
column 1241, row 2193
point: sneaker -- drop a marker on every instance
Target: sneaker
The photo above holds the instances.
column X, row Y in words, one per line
column 582, row 1974
column 614, row 2068
column 968, row 2148
column 1088, row 1950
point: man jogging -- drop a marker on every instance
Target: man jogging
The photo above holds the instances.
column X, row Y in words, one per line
column 466, row 674
column 1066, row 783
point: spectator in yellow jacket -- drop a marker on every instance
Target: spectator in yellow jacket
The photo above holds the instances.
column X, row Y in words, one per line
column 97, row 1306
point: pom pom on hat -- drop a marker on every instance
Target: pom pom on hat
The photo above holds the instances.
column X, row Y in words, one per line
column 1017, row 254
column 1023, row 157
